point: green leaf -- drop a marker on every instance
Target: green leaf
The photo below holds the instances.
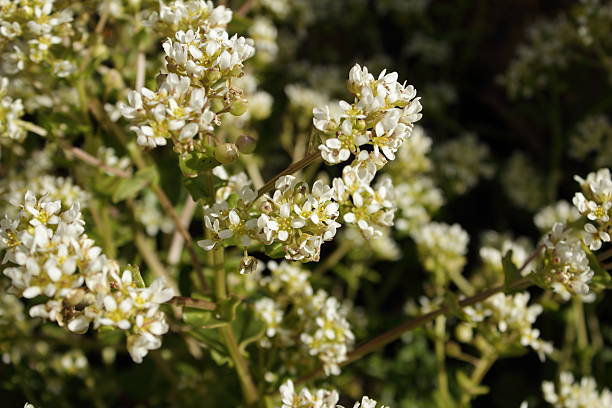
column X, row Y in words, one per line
column 130, row 187
column 194, row 162
column 275, row 250
column 452, row 302
column 196, row 187
column 248, row 327
column 224, row 314
column 511, row 272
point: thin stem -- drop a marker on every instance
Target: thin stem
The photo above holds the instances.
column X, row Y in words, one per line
column 95, row 162
column 177, row 243
column 605, row 255
column 440, row 340
column 246, row 382
column 151, row 259
column 245, row 8
column 395, row 333
column 32, row 128
column 334, row 257
column 481, row 369
column 463, row 284
column 310, row 158
column 100, row 114
column 191, row 302
column 140, row 70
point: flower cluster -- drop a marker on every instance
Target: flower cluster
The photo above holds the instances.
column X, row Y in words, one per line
column 595, row 202
column 195, row 81
column 513, row 317
column 382, row 116
column 572, row 394
column 442, row 248
column 176, row 111
column 11, row 111
column 561, row 211
column 319, row 398
column 566, row 265
column 51, row 256
column 495, row 246
column 317, row 319
column 458, row 171
column 29, row 30
column 416, row 195
column 294, row 218
column 592, row 140
column 188, row 15
column 371, row 209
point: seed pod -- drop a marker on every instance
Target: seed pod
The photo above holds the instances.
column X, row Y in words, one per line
column 246, row 144
column 226, row 153
column 239, row 107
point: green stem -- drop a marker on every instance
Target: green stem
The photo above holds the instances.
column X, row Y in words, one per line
column 582, row 338
column 481, row 369
column 251, row 394
column 439, row 345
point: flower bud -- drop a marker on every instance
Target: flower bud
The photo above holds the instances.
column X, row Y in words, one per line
column 246, row 144
column 226, row 153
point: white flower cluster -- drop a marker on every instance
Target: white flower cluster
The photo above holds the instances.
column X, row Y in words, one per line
column 316, row 318
column 109, row 158
column 29, row 29
column 495, row 246
column 195, row 82
column 371, row 209
column 292, row 217
column 303, row 99
column 11, row 112
column 264, row 33
column 188, row 15
column 382, row 115
column 572, row 394
column 442, row 247
column 460, row 171
column 592, row 140
column 542, row 53
column 512, row 316
column 566, row 265
column 33, row 177
column 51, row 256
column 177, row 111
column 416, row 194
column 149, row 214
column 319, row 398
column 595, row 202
column 523, row 183
column 561, row 211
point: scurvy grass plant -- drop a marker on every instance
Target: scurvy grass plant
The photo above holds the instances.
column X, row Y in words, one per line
column 163, row 199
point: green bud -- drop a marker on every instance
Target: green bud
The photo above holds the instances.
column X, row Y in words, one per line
column 226, row 153
column 360, row 125
column 246, row 144
column 239, row 106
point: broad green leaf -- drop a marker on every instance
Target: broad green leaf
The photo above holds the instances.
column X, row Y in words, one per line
column 511, row 272
column 130, row 187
